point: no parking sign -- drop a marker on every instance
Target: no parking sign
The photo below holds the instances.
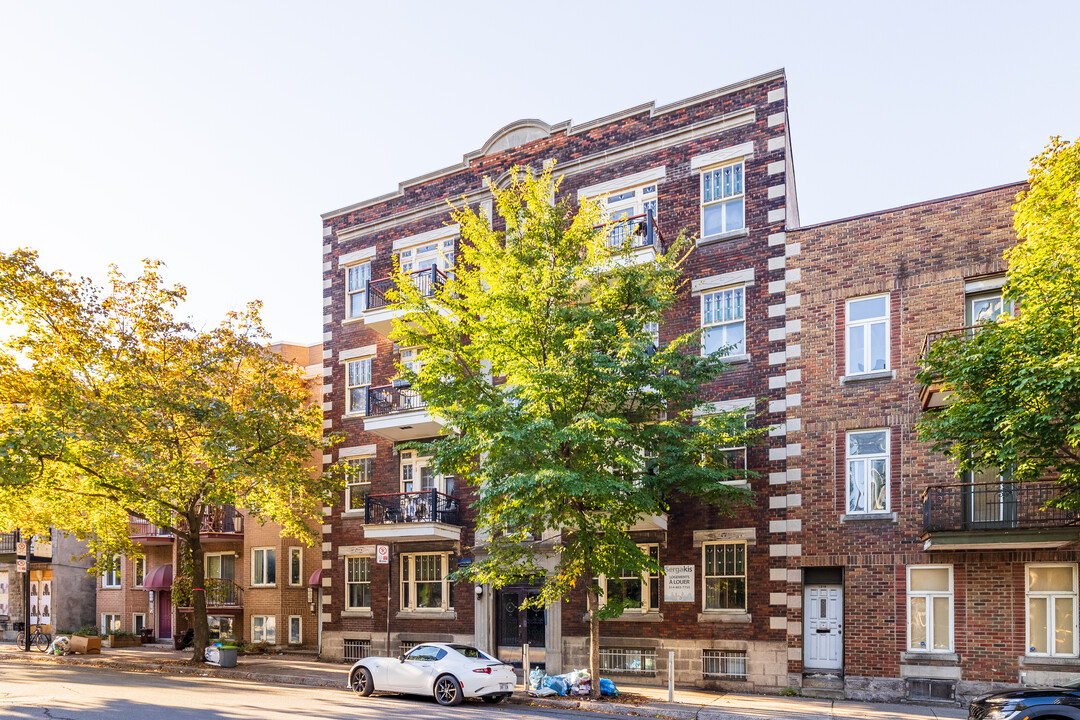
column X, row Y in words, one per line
column 382, row 554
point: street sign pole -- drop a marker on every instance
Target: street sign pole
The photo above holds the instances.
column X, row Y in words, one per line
column 26, row 596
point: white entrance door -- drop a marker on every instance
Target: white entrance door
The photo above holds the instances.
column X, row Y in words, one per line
column 823, row 641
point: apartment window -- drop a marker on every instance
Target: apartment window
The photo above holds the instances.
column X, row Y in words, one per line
column 628, row 661
column 984, row 301
column 930, row 608
column 357, row 381
column 138, row 572
column 722, row 199
column 725, row 576
column 867, row 335
column 868, row 471
column 296, row 566
column 424, row 585
column 295, row 630
column 733, row 458
column 138, row 622
column 263, row 566
column 1051, row 610
column 111, row 578
column 357, row 482
column 723, row 319
column 357, row 583
column 724, row 664
column 356, row 281
column 643, row 589
column 264, row 629
column 625, row 212
column 110, row 623
column 418, row 475
column 221, row 627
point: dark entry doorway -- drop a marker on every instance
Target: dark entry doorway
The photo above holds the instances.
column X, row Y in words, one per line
column 516, row 625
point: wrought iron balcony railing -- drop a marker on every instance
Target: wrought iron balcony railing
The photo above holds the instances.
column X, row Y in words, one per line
column 993, row 506
column 426, row 281
column 145, row 529
column 639, row 230
column 424, row 506
column 7, row 542
column 220, row 592
column 386, row 399
column 224, row 520
column 931, row 338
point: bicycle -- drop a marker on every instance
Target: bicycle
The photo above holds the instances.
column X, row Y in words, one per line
column 38, row 638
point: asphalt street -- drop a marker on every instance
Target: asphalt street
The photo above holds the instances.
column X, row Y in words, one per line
column 59, row 692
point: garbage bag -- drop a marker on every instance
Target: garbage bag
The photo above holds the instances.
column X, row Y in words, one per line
column 558, row 684
column 536, row 678
column 61, row 645
column 607, row 687
column 543, row 692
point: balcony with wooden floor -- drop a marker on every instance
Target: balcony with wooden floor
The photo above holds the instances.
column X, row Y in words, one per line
column 397, row 412
column 147, row 533
column 412, row 517
column 996, row 515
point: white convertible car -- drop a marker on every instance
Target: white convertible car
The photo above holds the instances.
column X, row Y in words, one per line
column 448, row 671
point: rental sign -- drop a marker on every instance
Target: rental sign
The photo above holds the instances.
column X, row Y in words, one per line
column 678, row 583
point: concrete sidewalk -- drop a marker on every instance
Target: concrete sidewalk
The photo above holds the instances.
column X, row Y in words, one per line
column 646, row 701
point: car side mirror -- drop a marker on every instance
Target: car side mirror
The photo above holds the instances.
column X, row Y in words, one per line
column 401, row 658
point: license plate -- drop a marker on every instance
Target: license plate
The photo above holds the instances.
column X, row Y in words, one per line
column 506, row 686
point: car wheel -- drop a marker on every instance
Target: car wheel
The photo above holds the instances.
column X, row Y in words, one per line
column 494, row 698
column 361, row 683
column 448, row 690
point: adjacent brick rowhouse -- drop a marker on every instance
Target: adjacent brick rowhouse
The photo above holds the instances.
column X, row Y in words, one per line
column 667, row 147
column 282, row 600
column 926, row 259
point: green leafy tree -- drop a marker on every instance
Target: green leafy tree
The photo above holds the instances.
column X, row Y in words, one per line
column 112, row 408
column 1015, row 383
column 570, row 423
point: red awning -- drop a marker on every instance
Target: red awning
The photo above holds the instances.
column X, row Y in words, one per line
column 316, row 579
column 159, row 578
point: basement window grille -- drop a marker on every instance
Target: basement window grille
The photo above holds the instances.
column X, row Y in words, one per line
column 630, row 661
column 357, row 649
column 919, row 689
column 724, row 664
column 407, row 645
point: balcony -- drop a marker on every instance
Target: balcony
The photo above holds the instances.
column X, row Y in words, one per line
column 641, row 232
column 7, row 543
column 397, row 412
column 380, row 313
column 224, row 522
column 222, row 594
column 932, row 396
column 147, row 533
column 415, row 516
column 651, row 522
column 996, row 515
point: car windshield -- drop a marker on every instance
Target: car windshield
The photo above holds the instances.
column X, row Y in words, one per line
column 471, row 652
column 1074, row 685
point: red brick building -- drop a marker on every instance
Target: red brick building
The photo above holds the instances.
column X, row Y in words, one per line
column 716, row 165
column 908, row 581
column 257, row 582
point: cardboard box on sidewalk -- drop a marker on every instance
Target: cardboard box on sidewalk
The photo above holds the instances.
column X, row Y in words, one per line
column 86, row 645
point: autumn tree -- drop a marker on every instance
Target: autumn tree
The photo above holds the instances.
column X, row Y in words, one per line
column 114, row 408
column 1015, row 383
column 540, row 353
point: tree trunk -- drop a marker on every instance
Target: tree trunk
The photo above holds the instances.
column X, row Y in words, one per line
column 198, row 591
column 593, row 605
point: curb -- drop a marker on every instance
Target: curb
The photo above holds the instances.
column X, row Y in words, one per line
column 644, row 711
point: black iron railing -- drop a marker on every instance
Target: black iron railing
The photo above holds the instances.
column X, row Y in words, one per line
column 426, row 281
column 220, row 592
column 424, row 506
column 993, row 506
column 387, row 399
column 638, row 230
column 931, row 338
column 224, row 520
column 7, row 542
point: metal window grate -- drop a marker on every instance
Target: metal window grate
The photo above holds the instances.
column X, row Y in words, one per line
column 628, row 660
column 919, row 689
column 357, row 649
column 725, row 664
column 407, row 645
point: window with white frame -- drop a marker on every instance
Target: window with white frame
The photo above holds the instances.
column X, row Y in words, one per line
column 357, row 482
column 263, row 566
column 723, row 319
column 296, row 635
column 734, row 459
column 436, row 254
column 724, row 576
column 357, row 381
column 138, row 622
column 626, row 210
column 1051, row 609
column 296, row 566
column 264, row 629
column 930, row 608
column 138, row 572
column 867, row 334
column 641, row 589
column 111, row 623
column 722, row 199
column 868, row 471
column 424, row 583
column 984, row 301
column 111, row 578
column 221, row 627
column 357, row 583
column 418, row 475
column 356, row 282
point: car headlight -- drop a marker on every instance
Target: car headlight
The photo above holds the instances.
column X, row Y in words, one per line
column 1002, row 712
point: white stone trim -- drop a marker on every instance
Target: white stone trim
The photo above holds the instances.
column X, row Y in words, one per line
column 992, row 283
column 737, row 277
column 747, row 403
column 357, row 451
column 777, row 263
column 353, row 353
column 777, row 310
column 327, row 283
column 776, row 143
column 777, row 191
column 777, row 358
column 744, row 151
column 747, row 535
column 777, row 215
column 792, row 249
column 439, row 233
column 776, row 95
column 775, row 119
column 777, row 239
column 775, row 168
column 327, row 231
column 327, row 266
column 355, row 257
column 354, row 550
column 645, row 177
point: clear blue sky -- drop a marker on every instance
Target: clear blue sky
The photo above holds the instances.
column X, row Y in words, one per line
column 211, row 135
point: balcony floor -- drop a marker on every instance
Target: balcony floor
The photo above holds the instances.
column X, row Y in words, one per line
column 1001, row 539
column 412, row 532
